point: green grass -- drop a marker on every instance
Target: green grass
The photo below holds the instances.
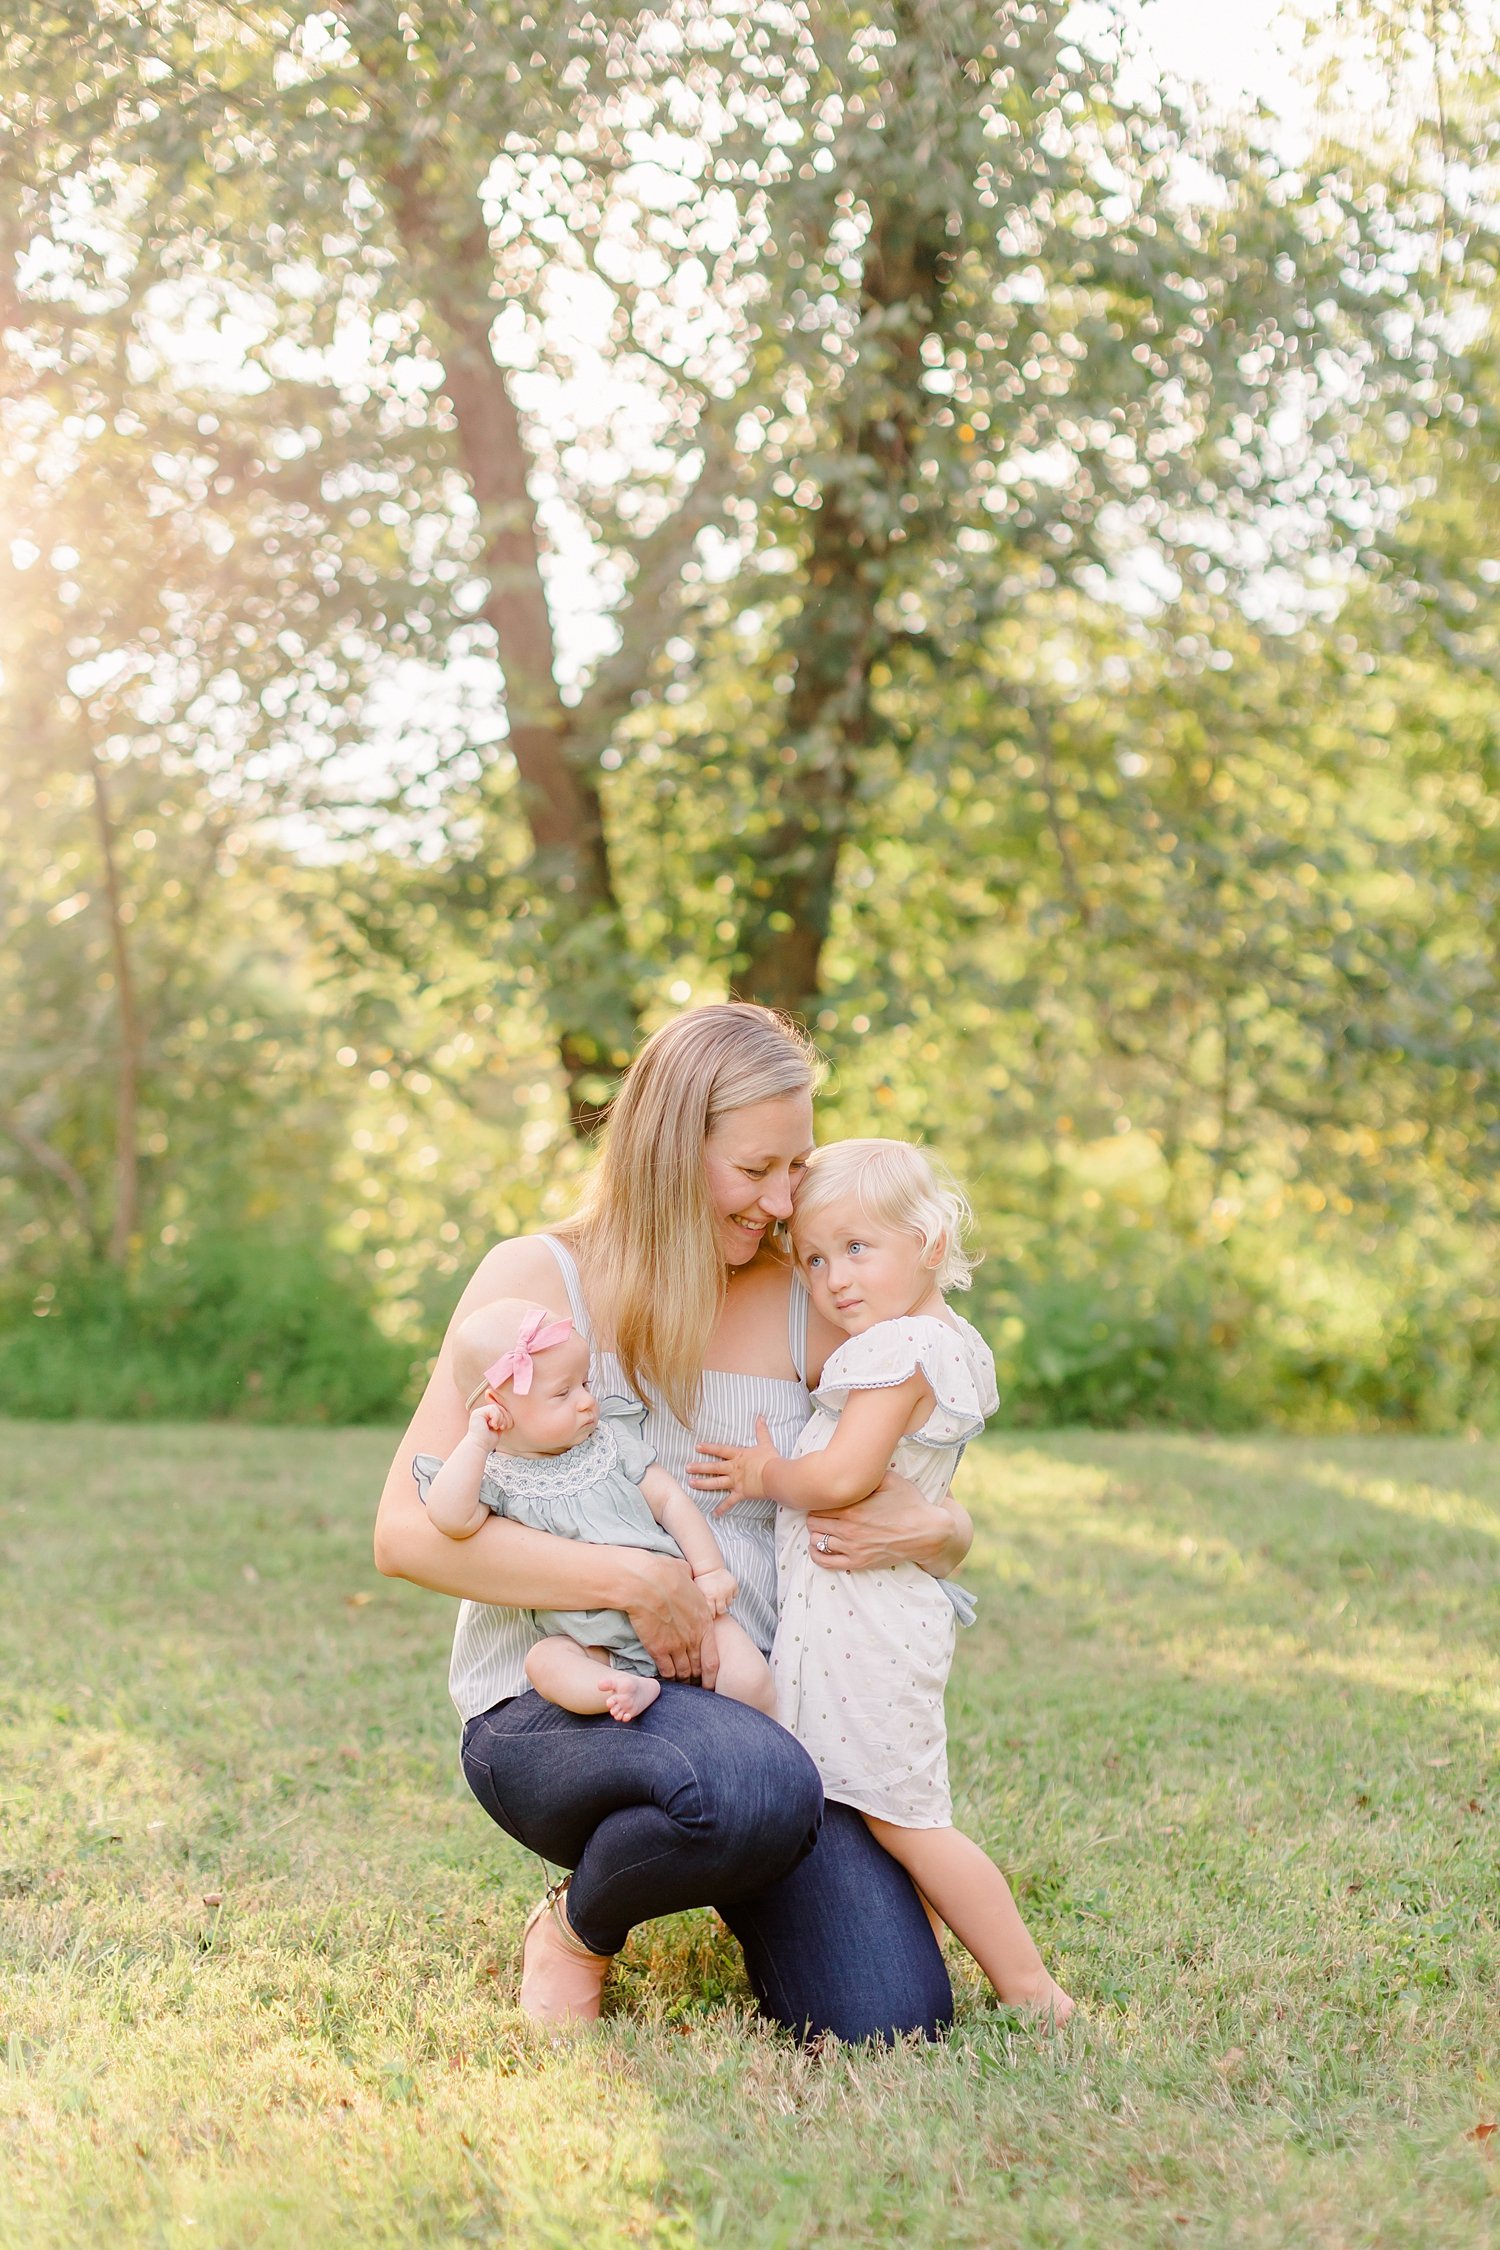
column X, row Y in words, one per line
column 1231, row 1717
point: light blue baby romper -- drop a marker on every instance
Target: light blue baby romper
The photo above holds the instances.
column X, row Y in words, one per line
column 592, row 1492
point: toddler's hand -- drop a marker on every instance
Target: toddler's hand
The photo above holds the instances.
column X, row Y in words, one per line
column 718, row 1588
column 737, row 1471
column 486, row 1427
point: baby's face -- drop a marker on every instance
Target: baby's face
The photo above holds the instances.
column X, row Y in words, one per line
column 559, row 1409
column 859, row 1271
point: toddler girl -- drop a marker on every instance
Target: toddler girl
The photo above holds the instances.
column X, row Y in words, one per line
column 540, row 1451
column 861, row 1658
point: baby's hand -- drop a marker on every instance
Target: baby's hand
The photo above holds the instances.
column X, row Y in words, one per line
column 486, row 1425
column 718, row 1588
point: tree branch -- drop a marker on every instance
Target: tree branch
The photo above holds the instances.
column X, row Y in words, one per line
column 659, row 558
column 52, row 1161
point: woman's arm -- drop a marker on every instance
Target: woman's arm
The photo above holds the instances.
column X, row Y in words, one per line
column 509, row 1564
column 896, row 1524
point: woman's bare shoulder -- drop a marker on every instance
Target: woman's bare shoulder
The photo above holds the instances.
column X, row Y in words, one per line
column 523, row 1266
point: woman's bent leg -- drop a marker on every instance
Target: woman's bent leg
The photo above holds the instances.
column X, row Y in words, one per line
column 841, row 1944
column 704, row 1802
column 697, row 1802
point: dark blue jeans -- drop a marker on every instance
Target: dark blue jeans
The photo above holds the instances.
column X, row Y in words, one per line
column 704, row 1802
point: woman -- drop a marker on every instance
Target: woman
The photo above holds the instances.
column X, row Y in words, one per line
column 672, row 1267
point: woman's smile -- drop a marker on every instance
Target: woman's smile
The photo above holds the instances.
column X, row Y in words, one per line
column 760, row 1151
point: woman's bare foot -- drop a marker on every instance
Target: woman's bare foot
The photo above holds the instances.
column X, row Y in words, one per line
column 561, row 1981
column 627, row 1694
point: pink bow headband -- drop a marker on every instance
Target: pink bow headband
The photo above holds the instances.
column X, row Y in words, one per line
column 538, row 1333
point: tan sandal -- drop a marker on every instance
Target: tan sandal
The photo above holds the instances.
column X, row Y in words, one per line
column 561, row 1980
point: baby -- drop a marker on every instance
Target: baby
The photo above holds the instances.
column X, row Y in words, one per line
column 540, row 1451
column 861, row 1657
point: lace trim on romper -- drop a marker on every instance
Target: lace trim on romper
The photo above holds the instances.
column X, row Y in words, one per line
column 553, row 1477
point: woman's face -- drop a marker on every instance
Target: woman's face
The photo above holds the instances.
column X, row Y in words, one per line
column 754, row 1158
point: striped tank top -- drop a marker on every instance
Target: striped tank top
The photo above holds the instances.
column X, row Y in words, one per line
column 490, row 1645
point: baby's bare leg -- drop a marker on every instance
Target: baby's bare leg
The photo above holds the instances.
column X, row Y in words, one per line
column 973, row 1898
column 744, row 1674
column 579, row 1679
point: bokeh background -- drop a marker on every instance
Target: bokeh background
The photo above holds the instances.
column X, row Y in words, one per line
column 513, row 521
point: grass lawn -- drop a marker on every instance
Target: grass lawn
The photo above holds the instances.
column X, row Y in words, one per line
column 1231, row 1717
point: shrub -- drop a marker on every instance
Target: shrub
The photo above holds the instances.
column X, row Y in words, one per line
column 1207, row 1338
column 241, row 1326
column 1429, row 1362
column 1117, row 1349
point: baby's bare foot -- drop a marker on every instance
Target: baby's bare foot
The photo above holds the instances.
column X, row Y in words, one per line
column 627, row 1694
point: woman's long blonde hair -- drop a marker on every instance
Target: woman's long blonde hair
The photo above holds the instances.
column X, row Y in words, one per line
column 645, row 1228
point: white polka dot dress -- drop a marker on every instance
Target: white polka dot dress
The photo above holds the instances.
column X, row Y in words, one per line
column 861, row 1658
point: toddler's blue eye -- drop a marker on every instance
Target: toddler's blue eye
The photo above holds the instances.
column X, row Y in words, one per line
column 855, row 1248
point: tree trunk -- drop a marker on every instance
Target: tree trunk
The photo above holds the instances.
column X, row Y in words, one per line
column 592, row 1007
column 785, row 922
column 835, row 638
column 127, row 1063
column 558, row 794
column 51, row 1161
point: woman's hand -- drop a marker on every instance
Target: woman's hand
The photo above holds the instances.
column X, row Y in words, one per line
column 896, row 1524
column 674, row 1622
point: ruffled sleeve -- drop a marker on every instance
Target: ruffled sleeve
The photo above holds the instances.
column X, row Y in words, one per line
column 954, row 1358
column 425, row 1466
column 625, row 1418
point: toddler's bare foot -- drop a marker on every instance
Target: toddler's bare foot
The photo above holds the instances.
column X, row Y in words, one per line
column 627, row 1694
column 1045, row 1999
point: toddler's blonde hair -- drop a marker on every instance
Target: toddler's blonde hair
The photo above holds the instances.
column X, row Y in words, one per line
column 896, row 1185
